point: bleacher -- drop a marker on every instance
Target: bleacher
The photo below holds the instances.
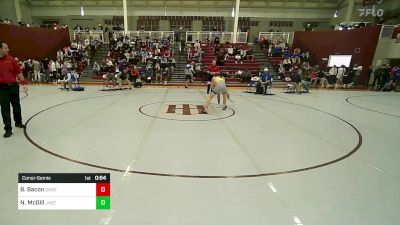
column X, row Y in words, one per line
column 229, row 67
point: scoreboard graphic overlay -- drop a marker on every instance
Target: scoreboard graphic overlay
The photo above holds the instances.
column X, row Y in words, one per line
column 70, row 191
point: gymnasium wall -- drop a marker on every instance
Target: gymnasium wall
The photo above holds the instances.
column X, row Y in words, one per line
column 38, row 43
column 7, row 10
column 26, row 14
column 386, row 49
column 264, row 23
column 321, row 44
column 318, row 13
column 71, row 15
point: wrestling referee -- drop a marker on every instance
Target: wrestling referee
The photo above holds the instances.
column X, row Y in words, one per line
column 9, row 89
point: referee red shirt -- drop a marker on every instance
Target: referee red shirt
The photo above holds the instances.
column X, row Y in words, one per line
column 9, row 70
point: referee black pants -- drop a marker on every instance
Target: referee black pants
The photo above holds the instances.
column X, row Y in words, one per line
column 9, row 94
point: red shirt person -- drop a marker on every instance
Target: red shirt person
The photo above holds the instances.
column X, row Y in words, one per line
column 212, row 70
column 9, row 89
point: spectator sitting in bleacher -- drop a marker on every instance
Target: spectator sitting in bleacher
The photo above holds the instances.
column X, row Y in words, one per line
column 189, row 73
column 166, row 75
column 149, row 74
column 270, row 51
column 172, row 63
column 281, row 71
column 158, row 75
column 96, row 69
column 238, row 58
column 220, row 58
column 230, row 51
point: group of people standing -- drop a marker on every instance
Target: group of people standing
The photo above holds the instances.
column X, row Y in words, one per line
column 343, row 78
column 386, row 78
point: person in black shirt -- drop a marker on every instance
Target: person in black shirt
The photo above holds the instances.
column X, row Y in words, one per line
column 385, row 75
column 45, row 66
column 377, row 76
column 297, row 82
column 368, row 73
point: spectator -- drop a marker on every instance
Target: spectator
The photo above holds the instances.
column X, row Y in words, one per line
column 122, row 78
column 166, row 75
column 339, row 76
column 96, row 69
column 213, row 69
column 45, row 66
column 265, row 80
column 332, row 75
column 305, row 77
column 36, row 70
column 189, row 72
column 395, row 75
column 377, row 76
column 368, row 74
column 67, row 79
column 357, row 72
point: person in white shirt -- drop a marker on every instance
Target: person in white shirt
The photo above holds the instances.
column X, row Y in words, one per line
column 109, row 63
column 58, row 68
column 332, row 75
column 53, row 71
column 357, row 72
column 36, row 70
column 230, row 51
column 96, row 68
column 339, row 76
column 60, row 55
column 67, row 79
column 197, row 44
column 189, row 72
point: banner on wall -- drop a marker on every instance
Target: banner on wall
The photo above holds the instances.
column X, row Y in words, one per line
column 371, row 8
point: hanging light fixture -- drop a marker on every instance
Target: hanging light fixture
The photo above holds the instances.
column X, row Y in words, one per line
column 82, row 12
column 233, row 12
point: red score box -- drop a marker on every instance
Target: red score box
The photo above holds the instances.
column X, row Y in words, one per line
column 103, row 189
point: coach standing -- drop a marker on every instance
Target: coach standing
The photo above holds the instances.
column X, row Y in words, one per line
column 9, row 89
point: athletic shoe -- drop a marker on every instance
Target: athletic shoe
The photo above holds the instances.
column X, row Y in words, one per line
column 224, row 107
column 20, row 125
column 7, row 134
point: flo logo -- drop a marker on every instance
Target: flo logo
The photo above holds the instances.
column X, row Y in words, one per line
column 366, row 11
column 186, row 109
